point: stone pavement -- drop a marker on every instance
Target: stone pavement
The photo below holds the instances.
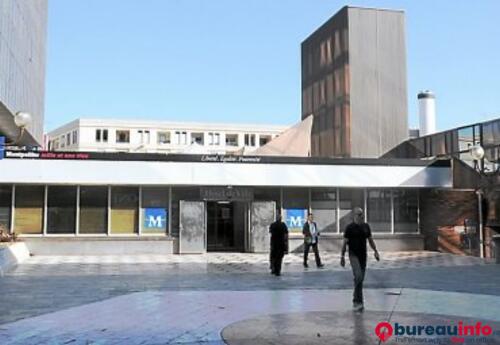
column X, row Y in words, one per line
column 199, row 317
column 192, row 299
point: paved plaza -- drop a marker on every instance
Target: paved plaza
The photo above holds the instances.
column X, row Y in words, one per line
column 231, row 298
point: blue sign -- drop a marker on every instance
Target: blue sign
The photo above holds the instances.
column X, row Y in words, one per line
column 155, row 219
column 295, row 218
column 2, row 145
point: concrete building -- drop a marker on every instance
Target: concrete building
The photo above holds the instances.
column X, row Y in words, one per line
column 354, row 83
column 160, row 136
column 23, row 31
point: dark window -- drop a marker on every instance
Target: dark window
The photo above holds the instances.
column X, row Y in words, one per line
column 122, row 136
column 105, row 135
column 61, row 210
column 98, row 135
column 93, row 210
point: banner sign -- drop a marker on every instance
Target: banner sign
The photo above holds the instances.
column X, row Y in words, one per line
column 226, row 193
column 155, row 219
column 295, row 218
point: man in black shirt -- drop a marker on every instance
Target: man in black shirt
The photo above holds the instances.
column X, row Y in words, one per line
column 355, row 236
column 279, row 244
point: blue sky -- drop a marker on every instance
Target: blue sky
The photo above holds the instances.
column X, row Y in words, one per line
column 239, row 61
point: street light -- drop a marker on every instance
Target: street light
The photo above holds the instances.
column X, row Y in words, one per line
column 22, row 120
column 477, row 154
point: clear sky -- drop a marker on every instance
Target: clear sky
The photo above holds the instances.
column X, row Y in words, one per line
column 239, row 61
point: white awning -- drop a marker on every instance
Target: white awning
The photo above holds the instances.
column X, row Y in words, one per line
column 95, row 172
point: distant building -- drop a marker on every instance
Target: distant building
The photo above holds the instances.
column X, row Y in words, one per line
column 23, row 33
column 354, row 83
column 159, row 136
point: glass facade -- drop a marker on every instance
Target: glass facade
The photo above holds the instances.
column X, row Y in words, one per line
column 61, row 210
column 349, row 199
column 124, row 205
column 93, row 210
column 378, row 213
column 152, row 211
column 324, row 208
column 29, row 209
column 297, row 198
column 5, row 207
column 405, row 211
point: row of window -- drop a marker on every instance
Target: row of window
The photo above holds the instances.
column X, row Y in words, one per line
column 68, row 139
column 163, row 137
column 147, row 210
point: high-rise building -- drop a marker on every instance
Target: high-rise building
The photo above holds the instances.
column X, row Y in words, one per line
column 354, row 83
column 23, row 32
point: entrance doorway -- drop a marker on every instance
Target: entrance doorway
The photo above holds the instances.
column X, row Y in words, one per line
column 226, row 224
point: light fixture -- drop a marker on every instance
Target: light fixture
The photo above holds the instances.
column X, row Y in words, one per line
column 477, row 152
column 22, row 119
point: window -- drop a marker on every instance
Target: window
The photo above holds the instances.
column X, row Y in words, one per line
column 122, row 136
column 213, row 138
column 98, row 135
column 28, row 215
column 93, row 210
column 61, row 209
column 324, row 208
column 349, row 199
column 180, row 138
column 231, row 139
column 105, row 135
column 379, row 210
column 68, row 139
column 63, row 141
column 465, row 138
column 264, row 139
column 197, row 138
column 163, row 137
column 405, row 211
column 5, row 202
column 124, row 215
column 249, row 139
column 75, row 137
column 144, row 136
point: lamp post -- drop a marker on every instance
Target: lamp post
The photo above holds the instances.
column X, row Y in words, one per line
column 477, row 154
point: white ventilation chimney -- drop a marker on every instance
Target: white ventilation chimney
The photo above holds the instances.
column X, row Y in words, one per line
column 427, row 112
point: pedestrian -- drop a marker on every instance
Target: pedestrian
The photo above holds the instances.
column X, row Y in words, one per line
column 279, row 244
column 355, row 236
column 311, row 233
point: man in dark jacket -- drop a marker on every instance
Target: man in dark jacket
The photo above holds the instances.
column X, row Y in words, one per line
column 279, row 244
column 311, row 234
column 355, row 236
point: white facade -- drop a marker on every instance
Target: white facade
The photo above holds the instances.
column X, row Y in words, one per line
column 104, row 135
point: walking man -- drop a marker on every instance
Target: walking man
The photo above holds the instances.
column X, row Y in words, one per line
column 279, row 244
column 355, row 236
column 311, row 233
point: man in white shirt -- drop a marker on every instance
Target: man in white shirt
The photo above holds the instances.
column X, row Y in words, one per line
column 311, row 233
